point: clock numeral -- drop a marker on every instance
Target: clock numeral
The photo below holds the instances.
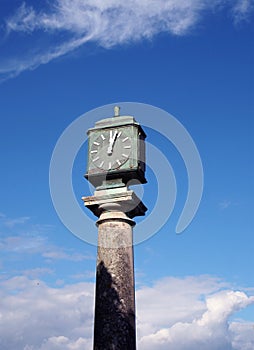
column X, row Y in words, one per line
column 119, row 134
column 125, row 139
column 127, row 147
column 124, row 155
column 109, row 165
column 101, row 165
column 96, row 143
column 96, row 158
column 95, row 151
column 103, row 137
column 118, row 162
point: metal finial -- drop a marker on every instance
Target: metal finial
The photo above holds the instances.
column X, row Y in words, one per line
column 117, row 111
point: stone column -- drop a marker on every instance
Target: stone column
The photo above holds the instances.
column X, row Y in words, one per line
column 114, row 323
column 114, row 326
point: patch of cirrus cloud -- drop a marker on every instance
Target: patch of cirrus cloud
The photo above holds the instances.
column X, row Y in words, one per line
column 66, row 25
column 174, row 313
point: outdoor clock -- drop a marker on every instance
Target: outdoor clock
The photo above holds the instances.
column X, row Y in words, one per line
column 116, row 151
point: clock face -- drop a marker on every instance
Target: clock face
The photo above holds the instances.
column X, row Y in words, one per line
column 111, row 149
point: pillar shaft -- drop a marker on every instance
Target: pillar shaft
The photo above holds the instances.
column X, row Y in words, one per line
column 114, row 323
column 115, row 297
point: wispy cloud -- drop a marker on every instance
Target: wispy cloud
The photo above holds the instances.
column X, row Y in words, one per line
column 242, row 10
column 72, row 23
column 37, row 244
column 23, row 244
column 37, row 272
column 27, row 238
column 59, row 254
column 225, row 204
column 83, row 276
column 11, row 222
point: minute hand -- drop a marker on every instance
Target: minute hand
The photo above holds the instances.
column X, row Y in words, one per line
column 112, row 140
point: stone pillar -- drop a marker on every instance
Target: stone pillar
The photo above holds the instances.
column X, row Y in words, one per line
column 114, row 323
column 114, row 326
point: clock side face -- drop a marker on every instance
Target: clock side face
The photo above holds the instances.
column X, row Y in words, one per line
column 110, row 149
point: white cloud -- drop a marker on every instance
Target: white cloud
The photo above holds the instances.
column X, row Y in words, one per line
column 10, row 222
column 84, row 275
column 182, row 301
column 59, row 254
column 37, row 272
column 242, row 9
column 210, row 331
column 64, row 343
column 243, row 338
column 110, row 22
column 36, row 243
column 37, row 317
column 23, row 243
column 178, row 313
column 225, row 204
column 107, row 23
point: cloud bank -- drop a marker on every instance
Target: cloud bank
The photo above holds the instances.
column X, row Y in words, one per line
column 178, row 313
column 210, row 331
column 66, row 25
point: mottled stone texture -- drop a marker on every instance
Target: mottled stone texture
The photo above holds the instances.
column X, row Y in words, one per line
column 115, row 299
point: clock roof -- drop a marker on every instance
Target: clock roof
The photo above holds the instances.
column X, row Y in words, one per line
column 116, row 121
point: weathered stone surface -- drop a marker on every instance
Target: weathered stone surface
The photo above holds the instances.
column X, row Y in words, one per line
column 115, row 298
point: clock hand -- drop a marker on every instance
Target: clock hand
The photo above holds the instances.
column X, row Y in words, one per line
column 112, row 139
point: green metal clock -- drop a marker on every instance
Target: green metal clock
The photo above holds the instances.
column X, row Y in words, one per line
column 116, row 151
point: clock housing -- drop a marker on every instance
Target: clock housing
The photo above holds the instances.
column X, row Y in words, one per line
column 116, row 150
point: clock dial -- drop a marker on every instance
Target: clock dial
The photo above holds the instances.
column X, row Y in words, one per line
column 111, row 149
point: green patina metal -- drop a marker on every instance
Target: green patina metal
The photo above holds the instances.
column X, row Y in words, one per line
column 100, row 172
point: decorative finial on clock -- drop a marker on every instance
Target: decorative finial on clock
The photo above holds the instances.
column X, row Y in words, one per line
column 117, row 111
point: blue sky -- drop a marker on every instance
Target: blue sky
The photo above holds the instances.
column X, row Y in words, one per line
column 61, row 59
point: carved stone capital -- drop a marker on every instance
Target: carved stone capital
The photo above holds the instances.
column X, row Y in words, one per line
column 118, row 203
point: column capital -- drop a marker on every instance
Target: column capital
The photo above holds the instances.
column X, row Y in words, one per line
column 121, row 200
